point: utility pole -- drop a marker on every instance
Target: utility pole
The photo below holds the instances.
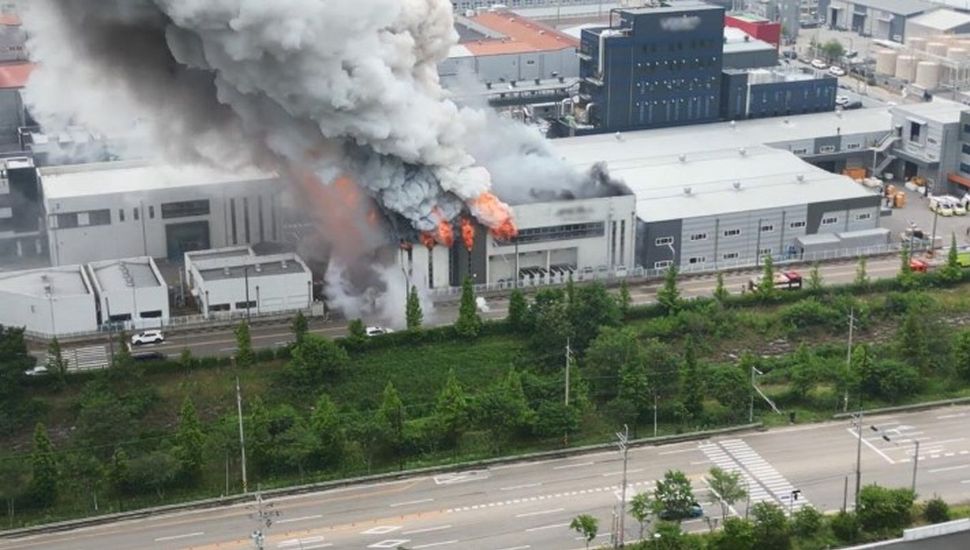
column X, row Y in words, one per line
column 569, row 353
column 242, row 437
column 751, row 403
column 915, row 466
column 623, row 439
column 246, row 277
column 848, row 362
column 858, row 460
column 655, row 414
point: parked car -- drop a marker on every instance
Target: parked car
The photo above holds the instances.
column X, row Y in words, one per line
column 148, row 337
column 836, row 71
column 36, row 371
column 841, row 100
column 148, row 357
column 852, row 105
column 377, row 331
column 790, row 54
column 695, row 511
column 819, row 64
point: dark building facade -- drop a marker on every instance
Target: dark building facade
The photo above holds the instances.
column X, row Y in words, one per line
column 766, row 93
column 654, row 67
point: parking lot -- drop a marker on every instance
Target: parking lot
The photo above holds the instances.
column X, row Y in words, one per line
column 916, row 211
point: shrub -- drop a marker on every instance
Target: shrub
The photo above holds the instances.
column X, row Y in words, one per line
column 889, row 379
column 882, row 509
column 808, row 313
column 936, row 510
column 845, row 526
column 807, row 522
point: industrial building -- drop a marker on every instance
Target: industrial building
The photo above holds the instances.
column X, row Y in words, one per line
column 235, row 280
column 942, row 22
column 773, row 92
column 928, row 142
column 13, row 114
column 741, row 51
column 51, row 301
column 127, row 209
column 130, row 291
column 758, row 28
column 21, row 214
column 882, row 19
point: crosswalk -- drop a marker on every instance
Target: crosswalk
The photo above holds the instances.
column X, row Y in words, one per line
column 762, row 480
column 86, row 358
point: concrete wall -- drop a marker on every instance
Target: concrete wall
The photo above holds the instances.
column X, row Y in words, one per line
column 57, row 315
column 280, row 292
column 521, row 66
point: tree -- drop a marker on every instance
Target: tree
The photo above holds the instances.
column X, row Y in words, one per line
column 328, row 431
column 587, row 526
column 736, row 534
column 469, row 324
column 356, row 333
column 692, row 383
column 861, row 276
column 118, row 473
column 44, row 481
column 641, row 508
column 961, row 354
column 451, row 409
column 609, row 354
column 669, row 296
column 832, row 50
column 56, row 364
column 504, row 409
column 625, row 300
column 591, row 308
column 318, row 360
column 913, row 342
column 300, row 326
column 771, row 529
column 244, row 346
column 804, row 373
column 905, row 278
column 556, row 419
column 154, row 471
column 720, row 293
column 883, row 510
column 413, row 314
column 673, row 495
column 518, row 312
column 845, row 526
column 185, row 359
column 766, row 288
column 807, row 522
column 14, row 360
column 730, row 385
column 391, row 417
column 815, row 280
column 551, row 322
column 122, row 355
column 936, row 510
column 952, row 271
column 726, row 488
column 190, row 442
column 14, row 474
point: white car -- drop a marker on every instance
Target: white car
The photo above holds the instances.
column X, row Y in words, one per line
column 841, row 100
column 819, row 64
column 148, row 337
column 836, row 71
column 377, row 331
column 36, row 371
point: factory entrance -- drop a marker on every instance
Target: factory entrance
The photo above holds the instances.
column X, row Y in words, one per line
column 186, row 237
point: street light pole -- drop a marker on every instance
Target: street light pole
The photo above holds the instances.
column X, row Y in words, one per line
column 915, row 466
column 886, row 437
column 858, row 461
column 242, row 437
column 623, row 439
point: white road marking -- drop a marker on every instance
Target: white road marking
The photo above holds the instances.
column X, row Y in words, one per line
column 315, row 546
column 949, row 468
column 390, row 543
column 540, row 513
column 177, row 537
column 412, row 502
column 957, row 415
column 304, row 518
column 526, row 547
column 526, row 486
column 855, row 434
column 636, row 471
column 299, row 542
column 553, row 526
column 677, row 452
column 965, row 481
column 381, row 530
column 567, row 466
column 430, row 545
column 426, row 530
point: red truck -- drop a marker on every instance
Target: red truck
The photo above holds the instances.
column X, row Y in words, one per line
column 785, row 280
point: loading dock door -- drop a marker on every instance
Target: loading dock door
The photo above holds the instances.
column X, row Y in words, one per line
column 186, row 237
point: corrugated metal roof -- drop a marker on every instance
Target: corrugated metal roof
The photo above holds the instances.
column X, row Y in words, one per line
column 61, row 281
column 941, row 20
column 899, row 7
column 125, row 274
column 520, row 35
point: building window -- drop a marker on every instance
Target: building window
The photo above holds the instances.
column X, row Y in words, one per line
column 83, row 219
column 830, row 221
column 65, row 221
column 246, row 219
column 730, row 256
column 664, row 241
column 99, row 217
column 135, row 213
column 797, row 225
column 663, row 265
column 863, row 217
column 800, row 151
column 151, row 212
column 121, row 214
column 557, row 233
column 914, row 131
column 826, row 149
column 853, row 146
column 697, row 260
column 965, row 148
column 767, row 228
column 622, row 241
column 232, row 220
column 764, row 252
column 185, row 209
column 698, row 237
column 259, row 215
column 732, row 232
column 242, row 305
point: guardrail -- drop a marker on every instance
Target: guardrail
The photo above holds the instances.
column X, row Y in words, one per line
column 904, row 408
column 326, row 485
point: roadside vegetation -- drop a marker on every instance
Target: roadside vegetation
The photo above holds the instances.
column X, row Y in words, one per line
column 144, row 434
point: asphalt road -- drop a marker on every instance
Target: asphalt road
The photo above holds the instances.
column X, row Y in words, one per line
column 529, row 505
column 223, row 343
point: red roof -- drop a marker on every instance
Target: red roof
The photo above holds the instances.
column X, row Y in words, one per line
column 521, row 35
column 15, row 75
column 9, row 20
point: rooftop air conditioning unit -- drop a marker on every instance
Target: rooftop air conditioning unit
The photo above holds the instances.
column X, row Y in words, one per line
column 737, row 185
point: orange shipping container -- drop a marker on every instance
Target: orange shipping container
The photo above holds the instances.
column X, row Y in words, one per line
column 900, row 199
column 855, row 173
column 890, row 190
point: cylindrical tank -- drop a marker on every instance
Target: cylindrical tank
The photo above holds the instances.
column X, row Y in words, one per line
column 936, row 48
column 965, row 44
column 928, row 75
column 886, row 62
column 917, row 43
column 905, row 67
column 957, row 53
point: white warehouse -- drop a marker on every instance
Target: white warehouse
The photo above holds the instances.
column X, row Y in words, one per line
column 233, row 283
column 129, row 209
column 132, row 291
column 50, row 301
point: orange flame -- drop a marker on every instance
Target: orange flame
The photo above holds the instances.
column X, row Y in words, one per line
column 468, row 233
column 427, row 239
column 445, row 235
column 496, row 215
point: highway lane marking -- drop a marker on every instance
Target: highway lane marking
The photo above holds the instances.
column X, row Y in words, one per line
column 412, row 502
column 691, row 450
column 634, row 471
column 304, row 518
column 390, row 543
column 540, row 513
column 526, row 547
column 855, row 435
column 553, row 526
column 965, row 481
column 426, row 530
column 432, row 544
column 949, row 468
column 946, row 416
column 302, row 543
column 567, row 466
column 177, row 537
column 515, row 487
column 381, row 530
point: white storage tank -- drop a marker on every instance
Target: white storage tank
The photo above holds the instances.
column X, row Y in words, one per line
column 917, row 43
column 957, row 53
column 928, row 75
column 936, row 48
column 886, row 62
column 905, row 67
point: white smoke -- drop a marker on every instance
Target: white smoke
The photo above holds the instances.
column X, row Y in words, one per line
column 341, row 86
column 377, row 296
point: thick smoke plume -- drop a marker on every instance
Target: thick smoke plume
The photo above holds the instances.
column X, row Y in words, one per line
column 322, row 89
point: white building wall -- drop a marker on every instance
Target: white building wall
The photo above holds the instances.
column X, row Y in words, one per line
column 281, row 292
column 517, row 66
column 57, row 315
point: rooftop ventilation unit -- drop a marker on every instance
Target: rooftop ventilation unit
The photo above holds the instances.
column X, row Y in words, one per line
column 742, row 151
column 283, row 264
column 258, row 268
column 682, row 157
column 800, row 178
column 688, row 191
column 737, row 185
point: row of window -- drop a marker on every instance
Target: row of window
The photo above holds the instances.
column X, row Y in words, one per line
column 766, row 228
column 103, row 217
column 703, row 259
column 558, row 233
